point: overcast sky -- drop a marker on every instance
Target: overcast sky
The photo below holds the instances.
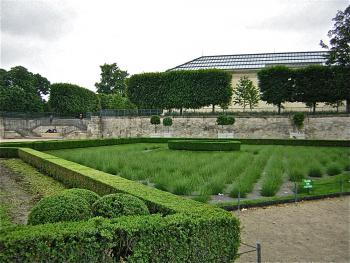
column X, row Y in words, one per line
column 67, row 40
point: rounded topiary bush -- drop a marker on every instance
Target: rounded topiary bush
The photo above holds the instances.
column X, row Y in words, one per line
column 60, row 208
column 115, row 205
column 90, row 196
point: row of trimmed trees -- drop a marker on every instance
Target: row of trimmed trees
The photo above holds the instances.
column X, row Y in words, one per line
column 180, row 89
column 310, row 85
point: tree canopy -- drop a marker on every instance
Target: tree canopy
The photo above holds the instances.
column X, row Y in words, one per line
column 22, row 90
column 180, row 89
column 275, row 85
column 71, row 99
column 339, row 50
column 113, row 80
column 245, row 93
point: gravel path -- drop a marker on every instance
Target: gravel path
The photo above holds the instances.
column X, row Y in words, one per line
column 313, row 231
column 14, row 197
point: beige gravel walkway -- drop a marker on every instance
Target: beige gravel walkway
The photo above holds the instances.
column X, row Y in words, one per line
column 313, row 231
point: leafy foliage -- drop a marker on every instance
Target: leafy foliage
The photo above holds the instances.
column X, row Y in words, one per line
column 155, row 120
column 180, row 89
column 225, row 120
column 113, row 80
column 191, row 232
column 21, row 90
column 71, row 99
column 298, row 119
column 310, row 85
column 246, row 93
column 115, row 101
column 339, row 53
column 275, row 85
column 116, row 205
column 167, row 121
column 59, row 208
column 89, row 196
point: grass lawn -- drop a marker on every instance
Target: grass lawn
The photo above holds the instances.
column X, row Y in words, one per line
column 203, row 174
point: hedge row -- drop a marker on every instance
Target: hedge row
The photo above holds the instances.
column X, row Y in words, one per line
column 179, row 230
column 312, row 84
column 67, row 144
column 200, row 145
column 191, row 89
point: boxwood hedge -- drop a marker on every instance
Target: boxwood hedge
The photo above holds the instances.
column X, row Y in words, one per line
column 178, row 230
column 201, row 145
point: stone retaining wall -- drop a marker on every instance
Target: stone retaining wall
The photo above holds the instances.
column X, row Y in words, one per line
column 331, row 127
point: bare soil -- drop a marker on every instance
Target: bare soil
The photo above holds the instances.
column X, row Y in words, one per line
column 15, row 198
column 313, row 231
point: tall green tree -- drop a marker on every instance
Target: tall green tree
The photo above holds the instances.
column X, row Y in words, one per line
column 246, row 93
column 22, row 91
column 191, row 89
column 314, row 84
column 276, row 85
column 71, row 99
column 113, row 80
column 339, row 46
column 339, row 43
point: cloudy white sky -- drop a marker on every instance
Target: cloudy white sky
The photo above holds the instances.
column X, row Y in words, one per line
column 66, row 41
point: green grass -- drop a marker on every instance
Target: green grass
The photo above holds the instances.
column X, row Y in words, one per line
column 202, row 174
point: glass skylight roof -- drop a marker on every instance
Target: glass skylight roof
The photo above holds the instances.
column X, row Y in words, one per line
column 255, row 61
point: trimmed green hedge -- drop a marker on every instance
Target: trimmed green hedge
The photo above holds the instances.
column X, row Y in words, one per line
column 8, row 152
column 116, row 205
column 179, row 230
column 60, row 208
column 67, row 144
column 196, row 145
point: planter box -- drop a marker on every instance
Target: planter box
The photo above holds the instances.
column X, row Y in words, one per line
column 297, row 135
column 226, row 135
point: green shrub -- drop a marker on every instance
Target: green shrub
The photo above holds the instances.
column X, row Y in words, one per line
column 190, row 231
column 225, row 120
column 191, row 89
column 201, row 145
column 71, row 99
column 155, row 120
column 116, row 205
column 298, row 119
column 89, row 196
column 59, row 208
column 315, row 172
column 333, row 169
column 167, row 121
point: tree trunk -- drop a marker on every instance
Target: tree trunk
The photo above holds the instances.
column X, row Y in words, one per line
column 181, row 111
column 213, row 108
column 279, row 108
column 313, row 107
column 348, row 105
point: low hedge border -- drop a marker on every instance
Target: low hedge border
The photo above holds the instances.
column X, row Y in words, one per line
column 179, row 230
column 66, row 144
column 283, row 200
column 201, row 145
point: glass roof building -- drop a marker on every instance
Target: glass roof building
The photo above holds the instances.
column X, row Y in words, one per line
column 255, row 61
